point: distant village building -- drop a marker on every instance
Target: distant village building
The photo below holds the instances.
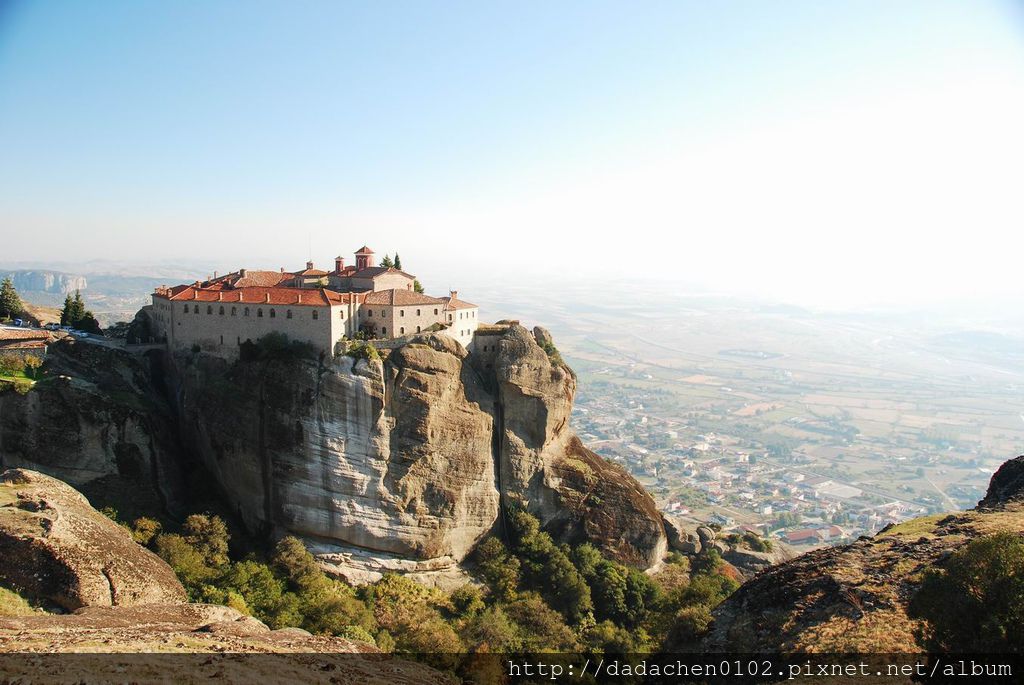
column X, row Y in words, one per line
column 310, row 305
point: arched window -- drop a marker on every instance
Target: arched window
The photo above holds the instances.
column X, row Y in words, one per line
column 234, row 310
column 259, row 313
column 247, row 311
column 195, row 309
column 186, row 309
column 401, row 331
column 417, row 329
column 417, row 312
column 383, row 330
column 273, row 314
column 401, row 312
column 435, row 311
column 342, row 312
column 316, row 314
column 209, row 309
column 221, row 311
column 288, row 314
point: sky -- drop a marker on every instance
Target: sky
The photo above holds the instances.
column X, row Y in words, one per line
column 844, row 153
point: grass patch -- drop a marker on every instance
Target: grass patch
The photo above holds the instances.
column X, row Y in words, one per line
column 13, row 604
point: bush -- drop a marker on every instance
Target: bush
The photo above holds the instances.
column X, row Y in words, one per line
column 976, row 604
column 144, row 530
column 360, row 349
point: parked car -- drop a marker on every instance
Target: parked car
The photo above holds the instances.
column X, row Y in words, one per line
column 19, row 322
column 52, row 326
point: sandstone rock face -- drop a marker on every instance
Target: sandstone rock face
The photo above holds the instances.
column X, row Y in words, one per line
column 55, row 546
column 411, row 456
column 99, row 421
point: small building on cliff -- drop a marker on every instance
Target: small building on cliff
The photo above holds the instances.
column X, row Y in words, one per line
column 309, row 305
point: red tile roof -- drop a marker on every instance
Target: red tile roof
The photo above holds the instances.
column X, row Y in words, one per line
column 364, row 250
column 311, row 272
column 252, row 277
column 453, row 303
column 22, row 334
column 302, row 297
column 399, row 296
column 375, row 271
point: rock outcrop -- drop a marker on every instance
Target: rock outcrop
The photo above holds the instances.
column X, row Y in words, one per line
column 1006, row 486
column 412, row 457
column 99, row 421
column 853, row 598
column 56, row 547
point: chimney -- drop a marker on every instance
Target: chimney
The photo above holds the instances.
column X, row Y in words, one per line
column 339, row 264
column 220, row 295
column 454, row 294
column 241, row 273
column 267, row 297
column 282, row 269
column 215, row 274
column 309, row 265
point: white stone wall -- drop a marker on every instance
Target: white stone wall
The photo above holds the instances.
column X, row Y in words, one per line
column 222, row 333
column 462, row 324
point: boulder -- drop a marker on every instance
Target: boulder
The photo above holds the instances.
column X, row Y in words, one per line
column 706, row 535
column 1007, row 485
column 679, row 539
column 54, row 546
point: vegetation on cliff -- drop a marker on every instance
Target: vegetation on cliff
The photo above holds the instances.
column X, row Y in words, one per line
column 535, row 595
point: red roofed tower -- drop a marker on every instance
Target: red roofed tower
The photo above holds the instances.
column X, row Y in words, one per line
column 364, row 258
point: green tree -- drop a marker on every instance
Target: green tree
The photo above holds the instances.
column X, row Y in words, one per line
column 10, row 303
column 417, row 286
column 398, row 262
column 67, row 310
column 209, row 537
column 976, row 604
column 386, row 262
column 499, row 570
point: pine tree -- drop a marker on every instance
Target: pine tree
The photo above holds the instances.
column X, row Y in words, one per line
column 398, row 262
column 417, row 287
column 10, row 303
column 65, row 312
column 74, row 310
column 386, row 262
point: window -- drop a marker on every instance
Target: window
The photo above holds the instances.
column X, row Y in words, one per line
column 195, row 309
column 383, row 330
column 186, row 309
column 239, row 338
column 234, row 310
column 401, row 312
column 247, row 311
column 221, row 313
column 449, row 317
column 435, row 311
column 259, row 313
column 342, row 312
column 417, row 329
column 369, row 312
column 209, row 309
column 316, row 314
column 273, row 314
column 222, row 340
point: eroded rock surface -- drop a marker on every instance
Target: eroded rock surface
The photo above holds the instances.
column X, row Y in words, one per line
column 55, row 546
column 854, row 598
column 412, row 455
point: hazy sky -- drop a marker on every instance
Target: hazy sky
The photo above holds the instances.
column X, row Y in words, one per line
column 824, row 152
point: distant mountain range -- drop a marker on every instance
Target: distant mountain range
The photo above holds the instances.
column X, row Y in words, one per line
column 45, row 281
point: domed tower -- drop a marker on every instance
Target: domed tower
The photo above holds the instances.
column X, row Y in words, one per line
column 364, row 258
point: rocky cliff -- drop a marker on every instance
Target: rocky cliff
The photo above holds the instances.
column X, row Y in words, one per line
column 401, row 463
column 407, row 461
column 100, row 421
column 854, row 598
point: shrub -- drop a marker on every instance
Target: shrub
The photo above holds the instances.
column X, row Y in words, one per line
column 144, row 530
column 976, row 604
column 360, row 349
